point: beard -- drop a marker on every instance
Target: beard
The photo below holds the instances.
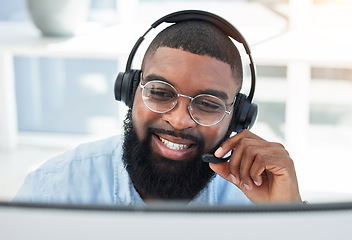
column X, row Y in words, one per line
column 157, row 177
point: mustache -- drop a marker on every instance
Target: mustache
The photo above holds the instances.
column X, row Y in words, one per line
column 182, row 135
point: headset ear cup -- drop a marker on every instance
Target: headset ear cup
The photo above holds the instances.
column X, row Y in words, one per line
column 245, row 113
column 135, row 84
column 118, row 86
column 125, row 85
column 236, row 111
column 251, row 116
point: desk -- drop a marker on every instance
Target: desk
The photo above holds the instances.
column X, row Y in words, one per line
column 298, row 50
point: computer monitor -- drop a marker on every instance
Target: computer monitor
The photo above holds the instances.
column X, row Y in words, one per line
column 175, row 221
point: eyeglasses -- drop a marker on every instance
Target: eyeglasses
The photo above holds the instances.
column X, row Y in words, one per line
column 204, row 109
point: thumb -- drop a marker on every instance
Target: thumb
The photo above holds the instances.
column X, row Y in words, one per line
column 222, row 169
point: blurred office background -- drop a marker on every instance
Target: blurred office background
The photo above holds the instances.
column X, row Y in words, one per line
column 303, row 52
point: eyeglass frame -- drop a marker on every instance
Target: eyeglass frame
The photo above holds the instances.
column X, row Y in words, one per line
column 191, row 99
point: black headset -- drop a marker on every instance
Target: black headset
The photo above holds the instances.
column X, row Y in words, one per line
column 245, row 112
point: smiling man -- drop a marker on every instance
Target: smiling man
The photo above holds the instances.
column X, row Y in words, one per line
column 181, row 108
column 172, row 141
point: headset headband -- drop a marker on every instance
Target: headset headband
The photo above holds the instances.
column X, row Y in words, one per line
column 219, row 22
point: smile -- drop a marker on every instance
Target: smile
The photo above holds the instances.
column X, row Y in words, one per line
column 174, row 146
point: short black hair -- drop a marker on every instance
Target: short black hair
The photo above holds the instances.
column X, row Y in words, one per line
column 201, row 38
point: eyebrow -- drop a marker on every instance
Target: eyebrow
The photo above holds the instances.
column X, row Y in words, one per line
column 210, row 91
column 152, row 77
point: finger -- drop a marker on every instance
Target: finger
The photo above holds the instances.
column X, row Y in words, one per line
column 258, row 180
column 248, row 158
column 243, row 157
column 256, row 172
column 229, row 144
column 269, row 159
column 255, row 159
column 221, row 169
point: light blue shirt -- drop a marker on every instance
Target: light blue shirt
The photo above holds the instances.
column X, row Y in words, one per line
column 93, row 173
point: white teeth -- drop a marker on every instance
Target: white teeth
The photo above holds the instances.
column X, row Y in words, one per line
column 173, row 146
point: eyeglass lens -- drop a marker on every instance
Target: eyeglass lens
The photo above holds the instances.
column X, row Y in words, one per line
column 162, row 97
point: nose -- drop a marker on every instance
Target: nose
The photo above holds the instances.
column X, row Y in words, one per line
column 179, row 117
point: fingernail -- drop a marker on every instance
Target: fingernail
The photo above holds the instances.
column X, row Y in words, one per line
column 234, row 179
column 218, row 152
column 246, row 186
column 256, row 183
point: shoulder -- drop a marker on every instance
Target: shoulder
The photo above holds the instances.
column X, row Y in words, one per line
column 87, row 162
column 84, row 174
column 89, row 152
column 94, row 149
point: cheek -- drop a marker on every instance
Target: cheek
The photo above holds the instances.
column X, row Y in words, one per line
column 141, row 116
column 215, row 134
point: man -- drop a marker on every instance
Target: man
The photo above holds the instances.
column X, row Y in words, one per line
column 181, row 109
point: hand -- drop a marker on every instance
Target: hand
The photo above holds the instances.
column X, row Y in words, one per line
column 263, row 170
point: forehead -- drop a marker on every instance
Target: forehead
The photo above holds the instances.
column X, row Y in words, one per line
column 190, row 73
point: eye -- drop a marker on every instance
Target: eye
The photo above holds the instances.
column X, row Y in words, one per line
column 160, row 94
column 209, row 105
